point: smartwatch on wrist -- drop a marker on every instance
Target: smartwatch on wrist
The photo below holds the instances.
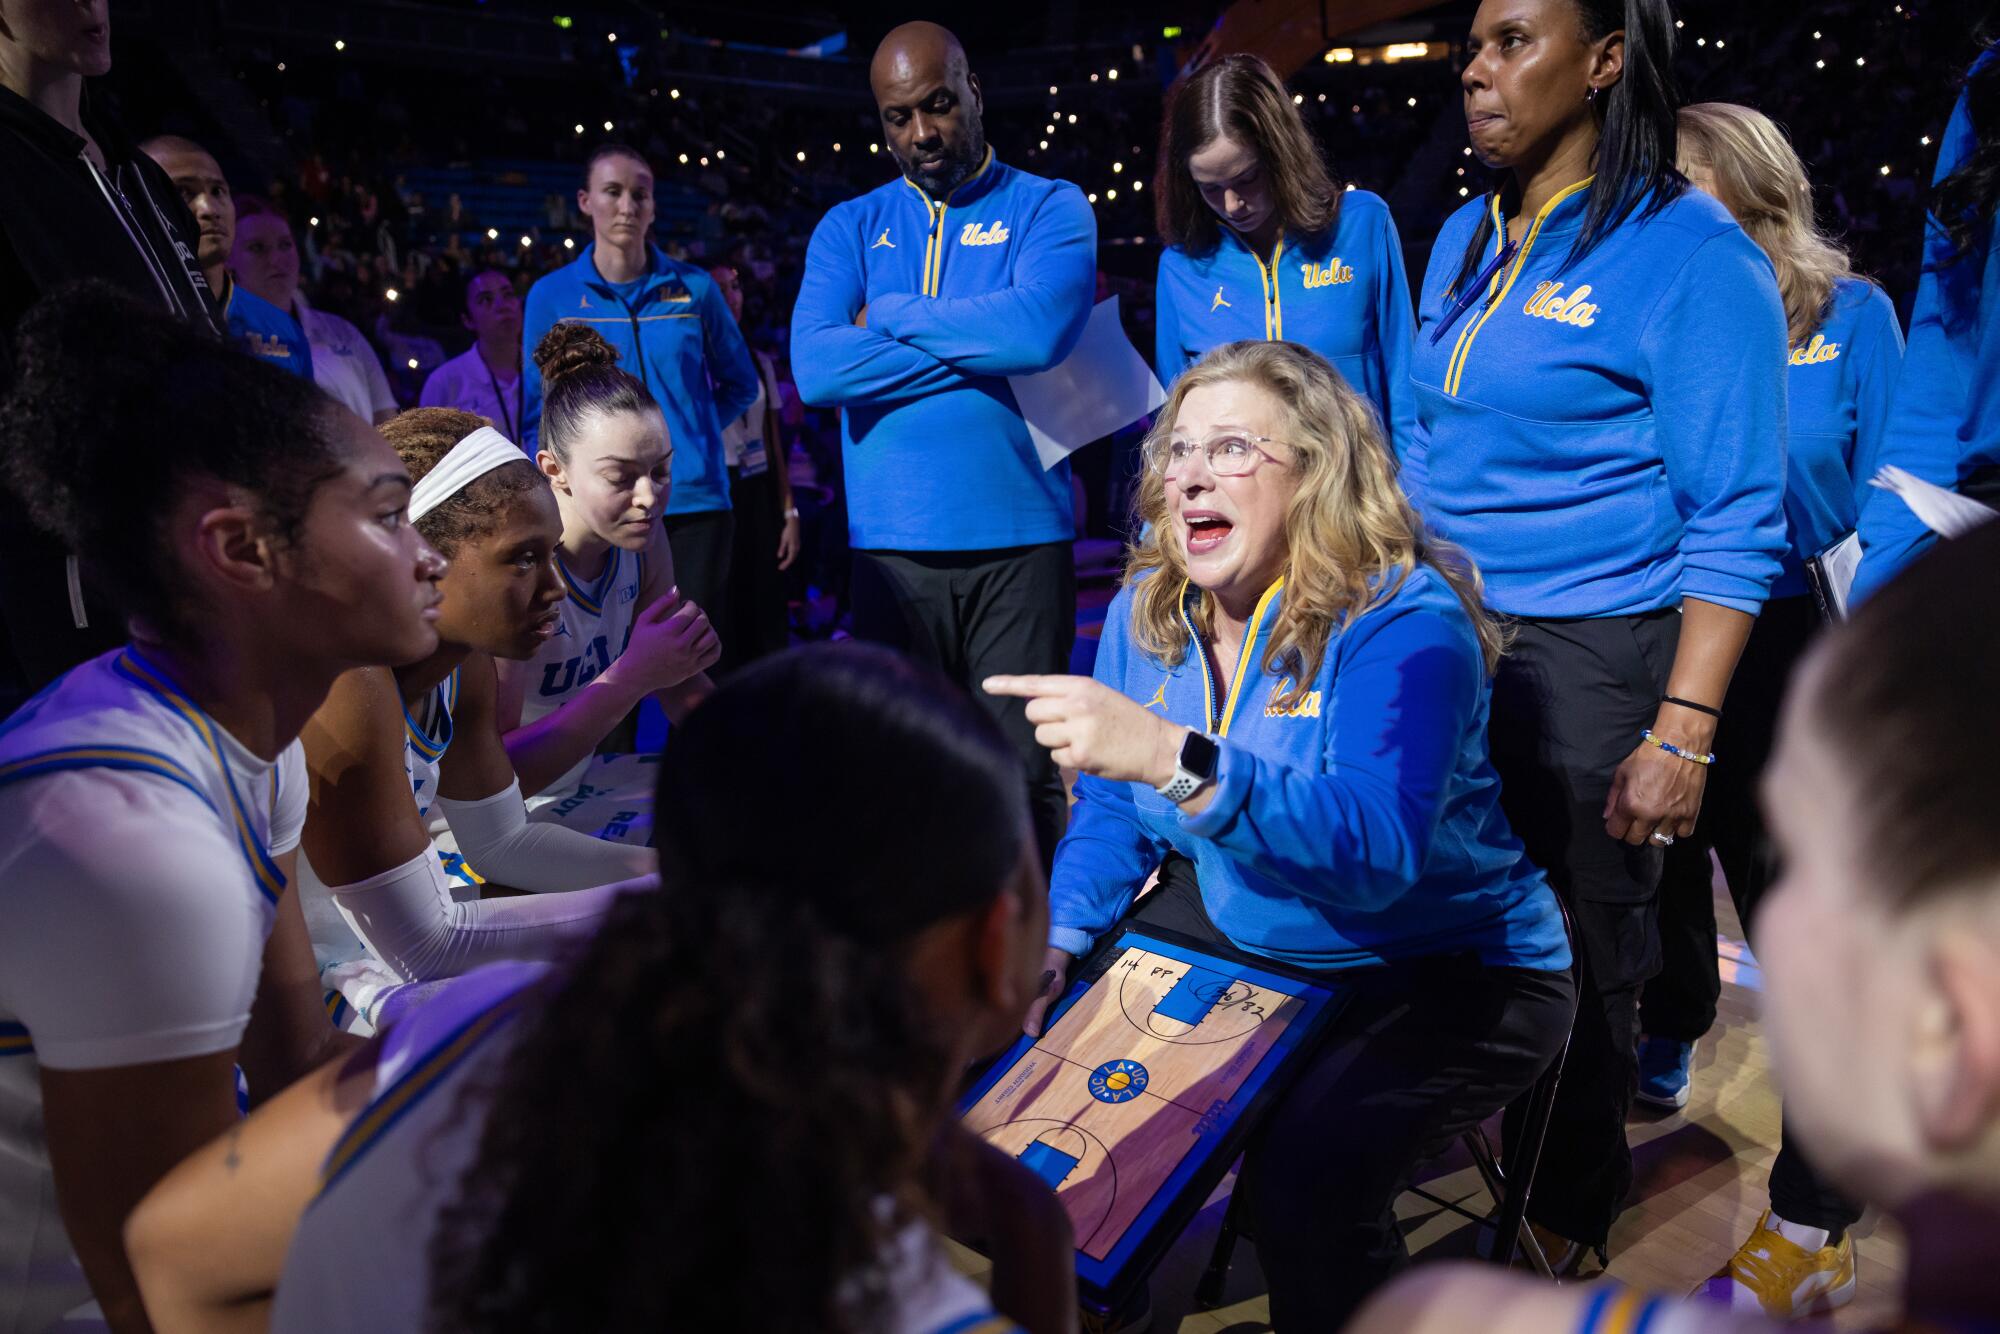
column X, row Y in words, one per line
column 1194, row 767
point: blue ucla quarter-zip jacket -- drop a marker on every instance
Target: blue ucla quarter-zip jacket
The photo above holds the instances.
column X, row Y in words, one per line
column 1606, row 438
column 1840, row 385
column 678, row 337
column 1945, row 425
column 996, row 279
column 1358, row 826
column 1344, row 295
column 262, row 330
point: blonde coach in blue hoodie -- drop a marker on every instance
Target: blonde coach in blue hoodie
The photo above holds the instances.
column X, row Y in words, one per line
column 1600, row 384
column 1289, row 720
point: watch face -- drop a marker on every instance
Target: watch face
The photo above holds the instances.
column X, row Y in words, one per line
column 1199, row 755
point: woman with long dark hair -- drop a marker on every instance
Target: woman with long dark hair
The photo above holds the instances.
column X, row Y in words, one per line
column 1599, row 373
column 1946, row 424
column 751, row 1071
column 1262, row 242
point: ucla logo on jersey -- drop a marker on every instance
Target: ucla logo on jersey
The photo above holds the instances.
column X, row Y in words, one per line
column 1331, row 274
column 1548, row 303
column 1816, row 353
column 629, row 592
column 1307, row 705
column 558, row 677
column 1118, row 1081
column 268, row 345
column 993, row 233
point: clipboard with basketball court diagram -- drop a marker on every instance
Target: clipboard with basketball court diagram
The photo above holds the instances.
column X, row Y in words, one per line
column 1135, row 1100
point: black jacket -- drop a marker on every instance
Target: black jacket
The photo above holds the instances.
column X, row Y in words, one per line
column 62, row 219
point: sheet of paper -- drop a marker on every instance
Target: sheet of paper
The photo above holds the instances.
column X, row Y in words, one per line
column 1102, row 386
column 1945, row 513
column 1837, row 565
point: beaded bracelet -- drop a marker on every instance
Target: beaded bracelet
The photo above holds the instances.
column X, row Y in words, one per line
column 1692, row 757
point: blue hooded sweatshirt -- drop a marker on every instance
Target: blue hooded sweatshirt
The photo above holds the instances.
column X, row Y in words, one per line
column 1344, row 295
column 673, row 330
column 1360, row 825
column 1605, row 438
column 995, row 279
column 1841, row 382
column 1945, row 425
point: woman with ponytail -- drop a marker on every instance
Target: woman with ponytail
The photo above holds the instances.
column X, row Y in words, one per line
column 1946, row 423
column 623, row 631
column 1599, row 375
column 1840, row 377
column 734, row 1111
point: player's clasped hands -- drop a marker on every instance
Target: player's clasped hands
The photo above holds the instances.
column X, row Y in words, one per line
column 671, row 641
column 1095, row 730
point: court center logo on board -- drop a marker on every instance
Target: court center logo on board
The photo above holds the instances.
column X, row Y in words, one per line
column 1118, row 1081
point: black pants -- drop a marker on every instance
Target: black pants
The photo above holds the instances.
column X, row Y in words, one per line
column 701, row 547
column 1422, row 1052
column 975, row 614
column 1680, row 1002
column 1569, row 703
column 753, row 610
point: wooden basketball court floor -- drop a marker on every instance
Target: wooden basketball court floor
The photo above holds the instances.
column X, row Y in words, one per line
column 1699, row 1188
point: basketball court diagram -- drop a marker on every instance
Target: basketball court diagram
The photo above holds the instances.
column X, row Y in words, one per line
column 1131, row 1078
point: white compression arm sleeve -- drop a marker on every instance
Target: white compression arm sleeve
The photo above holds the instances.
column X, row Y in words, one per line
column 494, row 835
column 409, row 919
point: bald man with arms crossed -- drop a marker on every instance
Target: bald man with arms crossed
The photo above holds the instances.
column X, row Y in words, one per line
column 919, row 299
column 254, row 323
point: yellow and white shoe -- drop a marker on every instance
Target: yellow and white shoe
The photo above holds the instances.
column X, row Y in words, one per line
column 1773, row 1274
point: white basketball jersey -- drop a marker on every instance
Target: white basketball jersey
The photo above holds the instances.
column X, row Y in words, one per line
column 426, row 737
column 595, row 625
column 121, row 725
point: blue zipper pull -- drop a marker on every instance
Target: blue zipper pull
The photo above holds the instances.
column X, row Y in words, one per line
column 1473, row 289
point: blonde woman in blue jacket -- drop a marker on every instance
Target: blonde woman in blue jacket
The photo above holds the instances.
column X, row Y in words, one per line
column 1289, row 712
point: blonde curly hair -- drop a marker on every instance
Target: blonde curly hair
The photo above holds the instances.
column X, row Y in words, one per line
column 1351, row 536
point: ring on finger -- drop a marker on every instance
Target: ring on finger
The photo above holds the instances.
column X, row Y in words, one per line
column 1664, row 840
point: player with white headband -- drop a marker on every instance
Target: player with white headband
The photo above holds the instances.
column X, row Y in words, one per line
column 384, row 905
column 151, row 955
column 624, row 630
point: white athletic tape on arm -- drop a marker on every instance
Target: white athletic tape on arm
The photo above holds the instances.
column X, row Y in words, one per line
column 473, row 457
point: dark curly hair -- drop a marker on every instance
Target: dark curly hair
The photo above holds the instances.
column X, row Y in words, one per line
column 581, row 376
column 1241, row 97
column 737, row 1076
column 1965, row 201
column 423, row 436
column 117, row 406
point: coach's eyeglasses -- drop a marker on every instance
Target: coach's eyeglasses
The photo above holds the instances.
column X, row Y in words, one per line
column 1229, row 455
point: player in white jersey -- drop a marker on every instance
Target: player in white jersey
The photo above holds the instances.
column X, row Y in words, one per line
column 821, row 1007
column 623, row 632
column 153, row 952
column 376, row 888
